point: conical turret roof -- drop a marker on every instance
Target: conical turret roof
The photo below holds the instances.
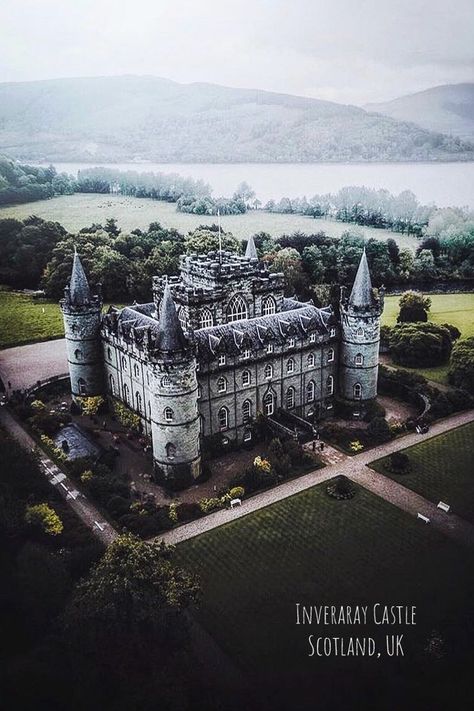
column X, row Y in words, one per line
column 361, row 294
column 251, row 251
column 79, row 290
column 171, row 336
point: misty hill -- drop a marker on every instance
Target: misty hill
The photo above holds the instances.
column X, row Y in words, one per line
column 146, row 118
column 448, row 109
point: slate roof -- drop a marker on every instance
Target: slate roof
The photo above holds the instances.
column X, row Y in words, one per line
column 361, row 294
column 254, row 334
column 170, row 335
column 79, row 290
column 251, row 250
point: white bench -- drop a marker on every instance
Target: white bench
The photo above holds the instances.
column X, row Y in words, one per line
column 425, row 519
column 444, row 507
column 235, row 502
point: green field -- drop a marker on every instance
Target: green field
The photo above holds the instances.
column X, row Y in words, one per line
column 442, row 470
column 457, row 309
column 24, row 320
column 81, row 210
column 312, row 549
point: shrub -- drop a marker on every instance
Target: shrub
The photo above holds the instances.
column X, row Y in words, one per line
column 125, row 416
column 262, row 465
column 356, row 446
column 188, row 511
column 420, row 344
column 91, row 405
column 379, row 430
column 341, row 488
column 237, row 492
column 461, row 371
column 173, row 513
column 399, row 463
column 413, row 307
column 44, row 518
column 373, row 409
column 212, row 504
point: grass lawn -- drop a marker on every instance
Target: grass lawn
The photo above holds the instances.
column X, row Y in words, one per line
column 312, row 549
column 26, row 320
column 81, row 210
column 457, row 309
column 442, row 470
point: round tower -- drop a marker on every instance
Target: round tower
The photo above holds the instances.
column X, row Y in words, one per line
column 82, row 316
column 175, row 423
column 360, row 322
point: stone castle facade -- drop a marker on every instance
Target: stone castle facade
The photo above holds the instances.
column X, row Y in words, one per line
column 219, row 344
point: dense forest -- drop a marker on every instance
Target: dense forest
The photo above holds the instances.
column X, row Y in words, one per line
column 26, row 183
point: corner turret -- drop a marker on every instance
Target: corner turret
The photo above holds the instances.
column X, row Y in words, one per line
column 360, row 326
column 82, row 316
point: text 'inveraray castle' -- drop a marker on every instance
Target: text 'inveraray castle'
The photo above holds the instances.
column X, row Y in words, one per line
column 219, row 344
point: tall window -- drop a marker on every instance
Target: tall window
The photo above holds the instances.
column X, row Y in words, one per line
column 223, row 418
column 136, row 370
column 112, row 384
column 126, row 393
column 268, row 306
column 182, row 317
column 290, row 366
column 237, row 309
column 124, row 363
column 330, row 355
column 246, row 410
column 170, row 450
column 359, row 359
column 169, row 414
column 268, row 404
column 206, row 320
column 221, row 385
column 330, row 385
column 310, row 360
column 246, row 378
column 109, row 353
column 310, row 389
column 138, row 398
column 357, row 391
column 290, row 398
column 82, row 387
column 268, row 372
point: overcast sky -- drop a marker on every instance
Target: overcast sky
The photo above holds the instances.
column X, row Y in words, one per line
column 343, row 50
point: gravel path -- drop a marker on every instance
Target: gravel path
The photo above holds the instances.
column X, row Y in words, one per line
column 86, row 511
column 23, row 366
column 356, row 469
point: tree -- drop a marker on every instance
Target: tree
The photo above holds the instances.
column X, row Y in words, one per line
column 44, row 518
column 413, row 307
column 461, row 371
column 379, row 429
column 420, row 344
column 290, row 263
column 204, row 240
column 244, row 192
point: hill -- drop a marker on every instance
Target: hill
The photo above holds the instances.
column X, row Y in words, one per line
column 131, row 118
column 448, row 109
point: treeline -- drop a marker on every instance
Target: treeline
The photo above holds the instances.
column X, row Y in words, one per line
column 362, row 206
column 211, row 206
column 158, row 186
column 26, row 183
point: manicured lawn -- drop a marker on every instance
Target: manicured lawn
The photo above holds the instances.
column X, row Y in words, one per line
column 442, row 470
column 312, row 549
column 24, row 320
column 457, row 309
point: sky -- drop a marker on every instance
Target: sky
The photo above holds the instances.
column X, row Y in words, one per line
column 349, row 51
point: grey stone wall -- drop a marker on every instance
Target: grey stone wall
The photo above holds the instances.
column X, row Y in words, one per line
column 359, row 355
column 82, row 333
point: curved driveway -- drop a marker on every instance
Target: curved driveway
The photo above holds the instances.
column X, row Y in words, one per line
column 23, row 366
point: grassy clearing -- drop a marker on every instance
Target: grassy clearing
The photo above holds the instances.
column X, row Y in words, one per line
column 441, row 470
column 81, row 210
column 25, row 320
column 457, row 309
column 312, row 549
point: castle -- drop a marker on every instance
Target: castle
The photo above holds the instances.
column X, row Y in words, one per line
column 219, row 344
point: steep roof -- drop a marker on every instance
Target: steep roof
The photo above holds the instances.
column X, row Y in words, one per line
column 361, row 294
column 171, row 336
column 251, row 251
column 79, row 290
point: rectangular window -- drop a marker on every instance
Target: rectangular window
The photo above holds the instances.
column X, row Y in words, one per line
column 246, row 354
column 222, row 360
column 312, row 338
column 333, row 332
column 291, row 343
column 270, row 348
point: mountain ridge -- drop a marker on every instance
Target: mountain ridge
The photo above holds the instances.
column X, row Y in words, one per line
column 147, row 118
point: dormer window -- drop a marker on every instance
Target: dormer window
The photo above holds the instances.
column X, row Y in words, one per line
column 330, row 355
column 269, row 348
column 312, row 338
column 291, row 343
column 222, row 360
column 332, row 332
column 246, row 354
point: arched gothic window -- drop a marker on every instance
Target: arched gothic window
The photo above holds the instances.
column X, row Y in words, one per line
column 360, row 332
column 330, row 385
column 222, row 385
column 112, row 384
column 290, row 366
column 268, row 372
column 126, row 393
column 169, row 414
column 358, row 391
column 269, row 404
column 246, row 378
column 206, row 320
column 109, row 353
column 138, row 399
column 170, row 450
column 290, row 398
column 310, row 360
column 310, row 390
column 237, row 309
column 124, row 363
column 182, row 317
column 136, row 370
column 223, row 418
column 268, row 306
column 246, row 410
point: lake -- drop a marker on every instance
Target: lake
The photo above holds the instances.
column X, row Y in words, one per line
column 441, row 183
